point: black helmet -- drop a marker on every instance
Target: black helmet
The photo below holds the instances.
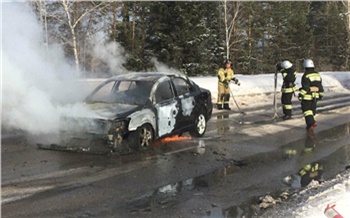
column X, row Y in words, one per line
column 228, row 62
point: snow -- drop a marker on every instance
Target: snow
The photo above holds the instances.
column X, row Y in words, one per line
column 312, row 200
column 264, row 84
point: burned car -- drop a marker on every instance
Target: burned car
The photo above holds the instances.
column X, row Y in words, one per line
column 137, row 108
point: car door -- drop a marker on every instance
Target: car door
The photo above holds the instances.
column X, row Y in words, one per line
column 186, row 99
column 167, row 107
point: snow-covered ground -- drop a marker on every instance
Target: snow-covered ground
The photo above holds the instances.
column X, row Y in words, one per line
column 314, row 199
column 260, row 85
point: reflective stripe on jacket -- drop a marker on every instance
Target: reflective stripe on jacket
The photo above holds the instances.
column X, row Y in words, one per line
column 311, row 86
column 289, row 77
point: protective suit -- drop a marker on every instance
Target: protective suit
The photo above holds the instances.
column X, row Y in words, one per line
column 310, row 92
column 288, row 87
column 224, row 78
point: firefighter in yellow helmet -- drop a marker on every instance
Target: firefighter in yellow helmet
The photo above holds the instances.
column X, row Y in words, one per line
column 225, row 75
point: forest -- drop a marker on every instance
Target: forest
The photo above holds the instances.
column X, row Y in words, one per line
column 196, row 37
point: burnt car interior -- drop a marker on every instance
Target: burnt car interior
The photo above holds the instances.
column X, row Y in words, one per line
column 123, row 92
column 164, row 92
column 181, row 86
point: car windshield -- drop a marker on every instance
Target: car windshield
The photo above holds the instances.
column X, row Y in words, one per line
column 123, row 92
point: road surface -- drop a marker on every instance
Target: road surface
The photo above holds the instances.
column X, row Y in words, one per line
column 220, row 175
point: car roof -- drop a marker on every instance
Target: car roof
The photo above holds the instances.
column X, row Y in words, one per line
column 150, row 76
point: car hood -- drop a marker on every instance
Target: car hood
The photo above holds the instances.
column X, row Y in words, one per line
column 111, row 111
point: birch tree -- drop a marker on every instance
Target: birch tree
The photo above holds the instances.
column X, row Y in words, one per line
column 40, row 6
column 347, row 20
column 231, row 18
column 73, row 18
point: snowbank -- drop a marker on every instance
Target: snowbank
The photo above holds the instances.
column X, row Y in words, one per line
column 264, row 83
column 312, row 201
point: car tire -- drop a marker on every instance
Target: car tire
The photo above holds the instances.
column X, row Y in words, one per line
column 142, row 138
column 200, row 125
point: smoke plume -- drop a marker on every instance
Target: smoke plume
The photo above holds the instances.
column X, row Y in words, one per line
column 110, row 54
column 37, row 82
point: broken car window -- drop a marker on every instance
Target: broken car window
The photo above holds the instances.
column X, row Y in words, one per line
column 124, row 92
column 103, row 92
column 164, row 91
column 181, row 86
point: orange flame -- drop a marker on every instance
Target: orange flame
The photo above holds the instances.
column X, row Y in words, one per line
column 173, row 138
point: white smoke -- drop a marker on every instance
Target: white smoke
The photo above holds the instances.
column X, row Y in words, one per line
column 36, row 80
column 111, row 54
column 160, row 67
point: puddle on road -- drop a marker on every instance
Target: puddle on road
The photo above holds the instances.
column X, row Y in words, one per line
column 222, row 123
column 318, row 156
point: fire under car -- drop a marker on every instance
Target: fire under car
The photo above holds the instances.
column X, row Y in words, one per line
column 135, row 109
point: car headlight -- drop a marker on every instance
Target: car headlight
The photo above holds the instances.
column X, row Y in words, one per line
column 119, row 126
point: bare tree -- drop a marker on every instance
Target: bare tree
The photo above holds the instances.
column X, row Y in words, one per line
column 74, row 17
column 347, row 9
column 40, row 6
column 231, row 17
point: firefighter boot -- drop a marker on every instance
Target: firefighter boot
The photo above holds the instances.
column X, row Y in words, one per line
column 219, row 106
column 226, row 106
column 287, row 117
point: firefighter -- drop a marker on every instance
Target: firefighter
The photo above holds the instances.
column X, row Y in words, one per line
column 310, row 92
column 224, row 78
column 310, row 142
column 309, row 172
column 288, row 88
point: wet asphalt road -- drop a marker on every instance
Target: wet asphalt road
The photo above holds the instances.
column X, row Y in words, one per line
column 221, row 175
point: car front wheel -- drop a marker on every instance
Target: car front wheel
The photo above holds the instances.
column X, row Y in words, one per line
column 200, row 126
column 142, row 138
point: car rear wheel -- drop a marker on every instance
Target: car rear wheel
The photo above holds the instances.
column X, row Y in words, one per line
column 142, row 138
column 200, row 125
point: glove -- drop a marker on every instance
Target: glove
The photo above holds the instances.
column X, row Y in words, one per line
column 236, row 81
column 300, row 97
column 279, row 67
column 225, row 82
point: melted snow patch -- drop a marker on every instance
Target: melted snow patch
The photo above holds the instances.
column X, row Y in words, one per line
column 337, row 195
column 258, row 131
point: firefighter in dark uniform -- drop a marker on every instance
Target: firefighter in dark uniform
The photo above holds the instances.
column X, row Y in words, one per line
column 310, row 171
column 310, row 92
column 288, row 88
column 314, row 170
column 224, row 77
